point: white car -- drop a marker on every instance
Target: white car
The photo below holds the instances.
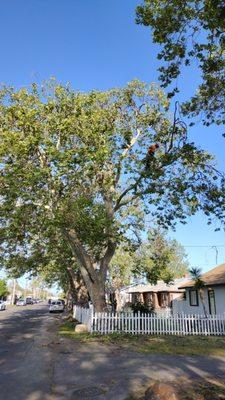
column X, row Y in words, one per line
column 2, row 305
column 56, row 305
column 21, row 302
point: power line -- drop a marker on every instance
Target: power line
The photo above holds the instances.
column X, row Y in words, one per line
column 215, row 245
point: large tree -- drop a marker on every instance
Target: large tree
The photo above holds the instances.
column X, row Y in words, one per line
column 191, row 33
column 73, row 165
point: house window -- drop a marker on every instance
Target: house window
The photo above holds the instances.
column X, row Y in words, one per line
column 212, row 302
column 163, row 300
column 193, row 297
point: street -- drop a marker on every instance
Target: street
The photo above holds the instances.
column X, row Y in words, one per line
column 37, row 364
column 25, row 360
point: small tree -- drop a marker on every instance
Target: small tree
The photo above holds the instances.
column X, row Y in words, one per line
column 3, row 289
column 160, row 257
column 199, row 285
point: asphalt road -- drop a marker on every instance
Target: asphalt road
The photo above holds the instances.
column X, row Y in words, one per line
column 37, row 364
column 26, row 365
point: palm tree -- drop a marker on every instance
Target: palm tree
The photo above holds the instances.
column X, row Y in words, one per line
column 199, row 285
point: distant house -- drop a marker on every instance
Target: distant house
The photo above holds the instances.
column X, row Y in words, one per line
column 157, row 297
column 214, row 294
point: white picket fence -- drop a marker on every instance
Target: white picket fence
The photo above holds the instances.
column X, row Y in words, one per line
column 105, row 323
column 83, row 315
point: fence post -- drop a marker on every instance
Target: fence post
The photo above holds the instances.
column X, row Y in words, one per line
column 139, row 322
column 90, row 319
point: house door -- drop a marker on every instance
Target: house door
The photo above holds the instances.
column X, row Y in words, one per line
column 212, row 302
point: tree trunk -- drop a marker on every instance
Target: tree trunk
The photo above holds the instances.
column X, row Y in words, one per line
column 71, row 293
column 94, row 287
column 118, row 300
column 98, row 297
column 94, row 278
column 85, row 289
column 79, row 291
column 202, row 297
column 69, row 296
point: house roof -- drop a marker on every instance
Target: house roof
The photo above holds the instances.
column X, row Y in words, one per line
column 215, row 276
column 161, row 286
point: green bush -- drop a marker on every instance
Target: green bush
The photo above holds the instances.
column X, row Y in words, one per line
column 142, row 308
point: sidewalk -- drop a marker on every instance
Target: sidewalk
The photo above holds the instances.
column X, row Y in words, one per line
column 94, row 371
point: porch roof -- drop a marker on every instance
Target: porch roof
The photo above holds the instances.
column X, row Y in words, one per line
column 159, row 287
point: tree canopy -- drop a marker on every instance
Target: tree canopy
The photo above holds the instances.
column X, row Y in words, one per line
column 74, row 175
column 191, row 32
column 121, row 269
column 160, row 258
column 3, row 288
column 157, row 257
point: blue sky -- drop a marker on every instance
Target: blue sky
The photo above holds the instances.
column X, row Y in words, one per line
column 97, row 45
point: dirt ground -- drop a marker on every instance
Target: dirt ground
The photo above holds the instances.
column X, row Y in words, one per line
column 109, row 370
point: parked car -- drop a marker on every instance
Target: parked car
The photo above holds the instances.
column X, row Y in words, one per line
column 2, row 305
column 29, row 300
column 56, row 306
column 21, row 302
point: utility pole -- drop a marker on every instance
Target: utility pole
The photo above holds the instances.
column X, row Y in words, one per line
column 216, row 250
column 13, row 292
column 26, row 289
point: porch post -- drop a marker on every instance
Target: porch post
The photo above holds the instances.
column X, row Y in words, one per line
column 155, row 300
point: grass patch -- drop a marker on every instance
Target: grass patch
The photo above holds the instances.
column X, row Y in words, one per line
column 184, row 345
column 203, row 391
column 67, row 327
column 155, row 344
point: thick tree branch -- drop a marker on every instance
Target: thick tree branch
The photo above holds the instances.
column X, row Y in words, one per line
column 132, row 143
column 119, row 167
column 78, row 250
column 104, row 263
column 126, row 191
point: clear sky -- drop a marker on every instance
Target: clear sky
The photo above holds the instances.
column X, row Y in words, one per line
column 95, row 44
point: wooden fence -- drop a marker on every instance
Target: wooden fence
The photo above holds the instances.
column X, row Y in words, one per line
column 137, row 323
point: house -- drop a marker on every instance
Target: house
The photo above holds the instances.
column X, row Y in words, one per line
column 157, row 297
column 119, row 298
column 213, row 294
column 126, row 296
